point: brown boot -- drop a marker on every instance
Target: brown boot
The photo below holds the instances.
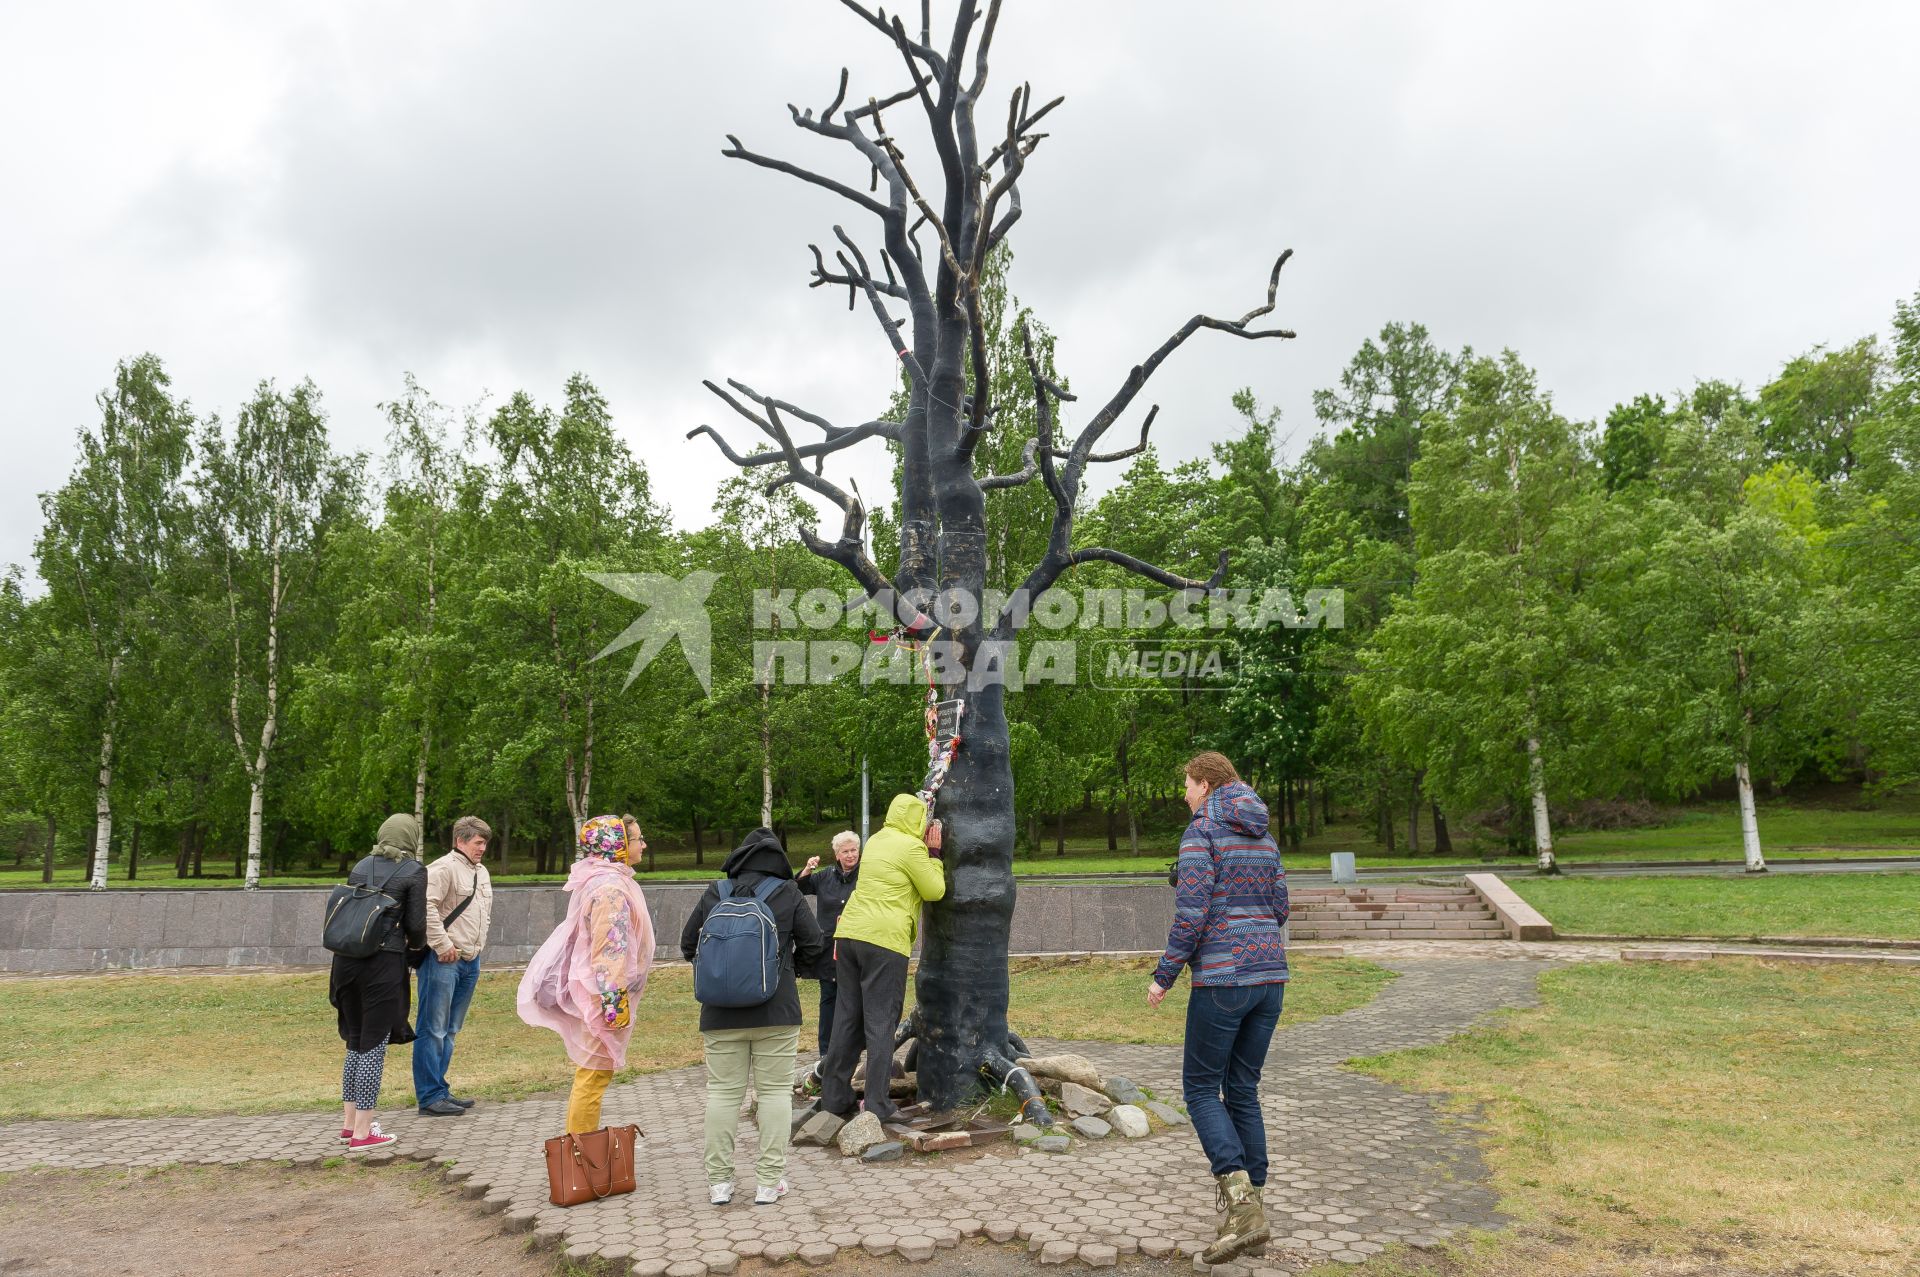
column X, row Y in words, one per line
column 1245, row 1226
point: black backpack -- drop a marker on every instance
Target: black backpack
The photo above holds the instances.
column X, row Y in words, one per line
column 360, row 916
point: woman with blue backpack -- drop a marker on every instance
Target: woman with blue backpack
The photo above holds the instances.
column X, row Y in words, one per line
column 748, row 937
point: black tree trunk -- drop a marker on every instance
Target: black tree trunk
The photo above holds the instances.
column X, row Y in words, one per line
column 962, row 983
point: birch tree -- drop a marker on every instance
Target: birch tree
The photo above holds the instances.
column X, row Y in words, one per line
column 566, row 497
column 269, row 496
column 1498, row 658
column 1741, row 635
column 110, row 534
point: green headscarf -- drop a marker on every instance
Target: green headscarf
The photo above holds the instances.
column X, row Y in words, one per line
column 399, row 838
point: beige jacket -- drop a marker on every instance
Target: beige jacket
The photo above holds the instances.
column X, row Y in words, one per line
column 449, row 880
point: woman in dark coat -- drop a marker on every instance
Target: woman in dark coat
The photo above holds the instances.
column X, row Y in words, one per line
column 372, row 994
column 755, row 1045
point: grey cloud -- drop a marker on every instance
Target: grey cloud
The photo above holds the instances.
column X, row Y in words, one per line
column 493, row 196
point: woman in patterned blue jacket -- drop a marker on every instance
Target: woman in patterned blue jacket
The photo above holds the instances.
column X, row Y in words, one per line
column 1229, row 908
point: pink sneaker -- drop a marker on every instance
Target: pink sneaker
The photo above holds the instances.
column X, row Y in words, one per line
column 375, row 1139
column 346, row 1132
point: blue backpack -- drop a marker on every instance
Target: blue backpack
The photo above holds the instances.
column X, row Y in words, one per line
column 737, row 963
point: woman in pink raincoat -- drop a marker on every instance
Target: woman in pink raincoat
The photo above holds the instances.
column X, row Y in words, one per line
column 582, row 982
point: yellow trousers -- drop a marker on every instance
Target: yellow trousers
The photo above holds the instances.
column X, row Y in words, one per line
column 583, row 1104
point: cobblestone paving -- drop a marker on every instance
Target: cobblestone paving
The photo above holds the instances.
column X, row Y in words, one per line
column 1356, row 1165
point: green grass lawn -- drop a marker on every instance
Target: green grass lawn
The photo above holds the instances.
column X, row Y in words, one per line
column 1879, row 906
column 138, row 1044
column 1731, row 1119
column 1790, row 830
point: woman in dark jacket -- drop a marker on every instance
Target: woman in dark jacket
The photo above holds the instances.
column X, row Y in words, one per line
column 756, row 1043
column 372, row 994
column 830, row 888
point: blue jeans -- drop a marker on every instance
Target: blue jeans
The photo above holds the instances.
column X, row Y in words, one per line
column 445, row 990
column 1228, row 1030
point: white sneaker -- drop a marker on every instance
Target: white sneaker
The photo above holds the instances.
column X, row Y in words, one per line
column 768, row 1194
column 721, row 1195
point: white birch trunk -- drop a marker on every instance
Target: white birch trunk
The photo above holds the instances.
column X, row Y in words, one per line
column 766, row 751
column 420, row 786
column 269, row 728
column 1749, row 820
column 256, row 815
column 1542, row 826
column 586, row 764
column 426, row 716
column 103, row 812
column 103, row 789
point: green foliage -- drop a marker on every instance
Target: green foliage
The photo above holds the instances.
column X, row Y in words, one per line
column 271, row 653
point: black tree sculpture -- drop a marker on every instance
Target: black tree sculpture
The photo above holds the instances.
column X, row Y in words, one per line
column 960, row 1020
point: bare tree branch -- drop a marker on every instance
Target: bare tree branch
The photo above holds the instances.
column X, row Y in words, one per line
column 922, row 49
column 1124, row 453
column 821, row 275
column 1100, row 554
column 738, row 151
column 901, row 350
column 885, row 142
column 1137, row 377
column 1029, row 467
column 887, row 429
column 838, row 439
column 838, row 98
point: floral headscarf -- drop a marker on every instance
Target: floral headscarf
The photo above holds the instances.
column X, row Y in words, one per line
column 605, row 836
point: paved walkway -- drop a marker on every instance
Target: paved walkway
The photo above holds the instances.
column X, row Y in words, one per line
column 1356, row 1165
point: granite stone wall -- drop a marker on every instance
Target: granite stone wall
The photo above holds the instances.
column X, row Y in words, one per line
column 74, row 931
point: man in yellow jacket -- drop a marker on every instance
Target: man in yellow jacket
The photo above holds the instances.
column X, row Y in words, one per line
column 871, row 944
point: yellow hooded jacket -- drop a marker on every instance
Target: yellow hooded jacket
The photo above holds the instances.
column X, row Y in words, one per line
column 896, row 874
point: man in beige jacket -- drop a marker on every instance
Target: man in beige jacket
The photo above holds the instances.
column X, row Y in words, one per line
column 459, row 910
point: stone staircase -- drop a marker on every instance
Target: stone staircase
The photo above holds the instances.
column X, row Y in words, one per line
column 1391, row 913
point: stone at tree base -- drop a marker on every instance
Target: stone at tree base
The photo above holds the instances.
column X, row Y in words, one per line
column 940, row 1142
column 819, row 1130
column 1068, row 1068
column 888, row 1151
column 859, row 1135
column 1026, row 1133
column 1054, row 1143
column 1122, row 1091
column 1081, row 1101
column 814, row 1254
column 1091, row 1127
column 1099, row 1255
column 1130, row 1121
column 1167, row 1113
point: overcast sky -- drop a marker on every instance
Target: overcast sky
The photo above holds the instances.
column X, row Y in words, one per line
column 493, row 196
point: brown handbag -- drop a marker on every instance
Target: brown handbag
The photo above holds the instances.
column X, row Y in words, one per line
column 585, row 1168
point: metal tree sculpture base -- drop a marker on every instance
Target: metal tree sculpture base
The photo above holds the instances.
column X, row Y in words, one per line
column 998, row 1071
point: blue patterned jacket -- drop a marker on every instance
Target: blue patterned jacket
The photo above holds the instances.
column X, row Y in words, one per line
column 1231, row 900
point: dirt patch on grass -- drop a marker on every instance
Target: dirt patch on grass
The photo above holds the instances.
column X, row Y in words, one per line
column 264, row 1221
